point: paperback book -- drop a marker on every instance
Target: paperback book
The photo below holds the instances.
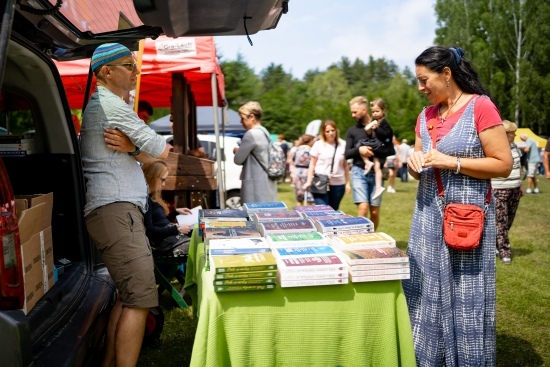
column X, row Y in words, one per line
column 313, row 238
column 234, row 232
column 215, row 222
column 222, row 214
column 378, row 278
column 300, row 225
column 244, row 262
column 313, row 275
column 243, row 288
column 311, row 264
column 247, row 274
column 343, row 224
column 288, row 252
column 234, row 246
column 275, row 216
column 245, row 281
column 375, row 266
column 313, row 208
column 362, row 273
column 311, row 282
column 374, row 255
column 264, row 207
column 351, row 241
column 321, row 213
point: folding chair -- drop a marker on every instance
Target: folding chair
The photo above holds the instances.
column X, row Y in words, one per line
column 166, row 268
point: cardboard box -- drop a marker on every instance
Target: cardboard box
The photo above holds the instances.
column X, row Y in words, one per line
column 35, row 231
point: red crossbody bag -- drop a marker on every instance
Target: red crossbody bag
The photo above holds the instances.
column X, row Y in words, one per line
column 462, row 223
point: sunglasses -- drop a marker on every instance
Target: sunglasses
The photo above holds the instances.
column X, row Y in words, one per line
column 130, row 66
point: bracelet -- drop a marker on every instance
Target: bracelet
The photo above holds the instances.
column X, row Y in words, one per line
column 457, row 166
column 135, row 152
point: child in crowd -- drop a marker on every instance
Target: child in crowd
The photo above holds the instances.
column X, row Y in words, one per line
column 381, row 149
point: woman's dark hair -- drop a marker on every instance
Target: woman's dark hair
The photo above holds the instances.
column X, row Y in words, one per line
column 436, row 58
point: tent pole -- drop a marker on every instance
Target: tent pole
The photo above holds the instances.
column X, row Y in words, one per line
column 221, row 193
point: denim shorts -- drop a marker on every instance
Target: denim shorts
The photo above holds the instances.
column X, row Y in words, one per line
column 119, row 234
column 363, row 187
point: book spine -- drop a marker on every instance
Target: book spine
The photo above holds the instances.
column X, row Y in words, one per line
column 377, row 278
column 378, row 260
column 379, row 266
column 15, row 153
column 234, row 269
column 244, row 281
column 282, row 244
column 362, row 273
column 239, row 288
column 314, row 268
column 243, row 275
column 312, row 275
column 236, row 251
column 312, row 282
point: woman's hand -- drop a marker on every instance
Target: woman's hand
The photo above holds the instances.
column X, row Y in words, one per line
column 184, row 211
column 184, row 229
column 416, row 161
column 437, row 159
column 348, row 188
column 116, row 140
column 306, row 185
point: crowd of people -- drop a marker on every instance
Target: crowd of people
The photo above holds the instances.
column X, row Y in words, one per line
column 460, row 141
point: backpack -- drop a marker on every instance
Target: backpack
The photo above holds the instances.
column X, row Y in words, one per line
column 275, row 160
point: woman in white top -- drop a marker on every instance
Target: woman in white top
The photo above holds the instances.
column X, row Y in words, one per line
column 322, row 153
column 507, row 191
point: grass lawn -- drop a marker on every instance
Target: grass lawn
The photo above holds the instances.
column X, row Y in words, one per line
column 523, row 288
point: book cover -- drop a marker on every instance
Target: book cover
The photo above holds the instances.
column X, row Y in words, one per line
column 255, row 207
column 220, row 232
column 244, row 262
column 312, row 238
column 228, row 224
column 232, row 246
column 313, row 275
column 313, row 208
column 378, row 278
column 300, row 225
column 362, row 273
column 244, row 281
column 282, row 215
column 311, row 264
column 285, row 252
column 339, row 224
column 311, row 282
column 352, row 241
column 222, row 213
column 374, row 255
column 352, row 231
column 244, row 275
column 239, row 288
column 322, row 213
column 374, row 266
column 331, row 217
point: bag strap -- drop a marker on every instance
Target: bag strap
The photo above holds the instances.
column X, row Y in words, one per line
column 440, row 190
column 268, row 142
column 334, row 155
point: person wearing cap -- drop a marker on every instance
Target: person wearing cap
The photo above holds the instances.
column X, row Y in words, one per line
column 116, row 197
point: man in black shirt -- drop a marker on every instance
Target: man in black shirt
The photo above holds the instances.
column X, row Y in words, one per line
column 363, row 185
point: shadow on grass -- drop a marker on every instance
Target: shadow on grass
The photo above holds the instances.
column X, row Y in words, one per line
column 516, row 352
column 517, row 252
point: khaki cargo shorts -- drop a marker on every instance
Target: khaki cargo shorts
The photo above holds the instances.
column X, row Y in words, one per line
column 119, row 234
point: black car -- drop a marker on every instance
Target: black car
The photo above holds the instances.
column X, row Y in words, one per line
column 66, row 325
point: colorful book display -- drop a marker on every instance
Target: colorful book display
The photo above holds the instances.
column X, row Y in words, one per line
column 377, row 264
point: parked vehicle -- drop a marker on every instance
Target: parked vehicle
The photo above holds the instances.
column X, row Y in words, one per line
column 66, row 326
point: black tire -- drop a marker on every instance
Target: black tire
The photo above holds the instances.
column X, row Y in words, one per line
column 233, row 199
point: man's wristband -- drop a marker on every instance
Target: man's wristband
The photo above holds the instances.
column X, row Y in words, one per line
column 135, row 152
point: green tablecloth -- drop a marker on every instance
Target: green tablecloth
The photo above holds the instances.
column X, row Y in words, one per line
column 358, row 324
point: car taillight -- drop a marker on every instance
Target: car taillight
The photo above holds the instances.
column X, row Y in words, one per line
column 12, row 292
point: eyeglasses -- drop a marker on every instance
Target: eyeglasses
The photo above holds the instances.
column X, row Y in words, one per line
column 131, row 66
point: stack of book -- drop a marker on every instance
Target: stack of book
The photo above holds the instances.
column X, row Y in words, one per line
column 313, row 208
column 325, row 213
column 344, row 225
column 209, row 215
column 275, row 216
column 238, row 246
column 269, row 206
column 244, row 272
column 309, row 266
column 376, row 264
column 16, row 145
column 294, row 226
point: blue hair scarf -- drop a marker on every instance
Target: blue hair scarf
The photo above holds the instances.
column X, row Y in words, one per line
column 457, row 53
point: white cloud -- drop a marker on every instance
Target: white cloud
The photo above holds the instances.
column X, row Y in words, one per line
column 317, row 33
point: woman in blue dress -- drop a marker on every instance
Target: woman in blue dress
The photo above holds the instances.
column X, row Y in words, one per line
column 451, row 293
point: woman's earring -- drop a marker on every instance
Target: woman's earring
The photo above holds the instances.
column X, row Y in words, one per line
column 448, row 84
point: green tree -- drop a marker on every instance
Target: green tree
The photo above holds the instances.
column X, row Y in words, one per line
column 241, row 83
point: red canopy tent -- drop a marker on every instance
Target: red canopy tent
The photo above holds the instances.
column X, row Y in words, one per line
column 195, row 57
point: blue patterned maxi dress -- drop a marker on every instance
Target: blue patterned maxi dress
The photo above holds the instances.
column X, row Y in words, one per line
column 451, row 293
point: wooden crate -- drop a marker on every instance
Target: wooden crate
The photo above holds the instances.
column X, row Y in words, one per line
column 186, row 165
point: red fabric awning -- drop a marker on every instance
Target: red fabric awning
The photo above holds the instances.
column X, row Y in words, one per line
column 195, row 57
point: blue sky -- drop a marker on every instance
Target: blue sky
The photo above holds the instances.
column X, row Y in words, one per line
column 316, row 33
